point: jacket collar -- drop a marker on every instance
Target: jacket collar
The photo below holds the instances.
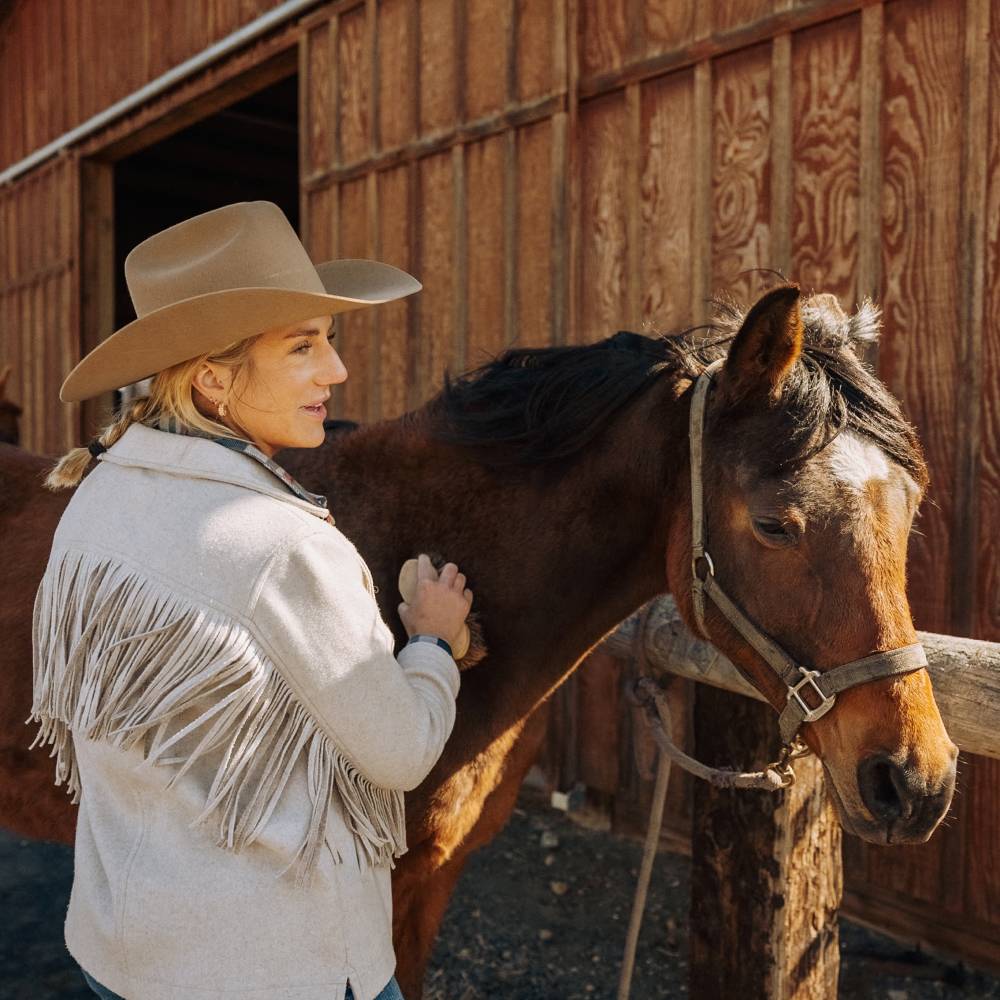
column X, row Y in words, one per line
column 145, row 447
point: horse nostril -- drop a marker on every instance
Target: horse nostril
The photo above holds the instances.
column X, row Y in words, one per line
column 883, row 788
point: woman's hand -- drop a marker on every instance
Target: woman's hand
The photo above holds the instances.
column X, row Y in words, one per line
column 441, row 602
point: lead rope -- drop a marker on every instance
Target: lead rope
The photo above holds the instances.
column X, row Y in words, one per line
column 646, row 692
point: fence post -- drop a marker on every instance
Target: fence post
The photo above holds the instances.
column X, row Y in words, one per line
column 766, row 878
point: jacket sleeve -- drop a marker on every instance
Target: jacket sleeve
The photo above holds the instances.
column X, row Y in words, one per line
column 323, row 628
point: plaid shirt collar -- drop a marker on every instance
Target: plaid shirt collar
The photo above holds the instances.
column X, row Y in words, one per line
column 171, row 424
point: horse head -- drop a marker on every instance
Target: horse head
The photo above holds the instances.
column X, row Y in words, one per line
column 811, row 479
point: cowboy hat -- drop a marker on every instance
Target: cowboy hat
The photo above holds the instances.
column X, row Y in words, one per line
column 218, row 278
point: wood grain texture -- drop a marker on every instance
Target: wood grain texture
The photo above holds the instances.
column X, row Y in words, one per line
column 919, row 350
column 668, row 24
column 603, row 291
column 56, row 92
column 318, row 94
column 727, row 15
column 826, row 119
column 666, row 187
column 741, row 171
column 534, row 50
column 534, row 237
column 438, row 67
column 603, row 35
column 598, row 716
column 982, row 887
column 485, row 207
column 40, row 320
column 436, row 269
column 487, row 41
column 398, row 82
column 353, row 85
column 355, row 329
column 395, row 345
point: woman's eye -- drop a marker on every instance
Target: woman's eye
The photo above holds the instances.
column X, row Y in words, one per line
column 331, row 337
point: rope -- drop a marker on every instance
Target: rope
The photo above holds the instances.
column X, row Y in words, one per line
column 773, row 778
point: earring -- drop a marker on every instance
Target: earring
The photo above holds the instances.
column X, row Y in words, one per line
column 222, row 409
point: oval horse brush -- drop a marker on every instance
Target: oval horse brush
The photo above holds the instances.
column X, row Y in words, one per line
column 408, row 590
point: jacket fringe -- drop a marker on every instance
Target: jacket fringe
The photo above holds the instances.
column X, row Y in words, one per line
column 121, row 658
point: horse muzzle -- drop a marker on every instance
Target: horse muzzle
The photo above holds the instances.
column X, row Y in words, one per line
column 905, row 806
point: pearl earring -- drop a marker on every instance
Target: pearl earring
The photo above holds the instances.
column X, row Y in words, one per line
column 222, row 409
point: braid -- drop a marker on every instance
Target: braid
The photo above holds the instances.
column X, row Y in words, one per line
column 69, row 470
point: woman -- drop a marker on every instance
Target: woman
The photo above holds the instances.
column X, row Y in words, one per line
column 211, row 667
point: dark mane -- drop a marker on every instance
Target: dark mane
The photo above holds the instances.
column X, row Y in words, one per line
column 530, row 406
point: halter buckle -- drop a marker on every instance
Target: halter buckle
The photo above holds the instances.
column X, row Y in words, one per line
column 702, row 560
column 825, row 701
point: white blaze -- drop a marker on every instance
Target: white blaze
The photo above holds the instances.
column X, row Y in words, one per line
column 856, row 461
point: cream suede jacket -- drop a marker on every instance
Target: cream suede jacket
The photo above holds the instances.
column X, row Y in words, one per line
column 221, row 694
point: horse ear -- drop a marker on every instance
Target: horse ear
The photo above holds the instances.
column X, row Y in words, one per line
column 765, row 349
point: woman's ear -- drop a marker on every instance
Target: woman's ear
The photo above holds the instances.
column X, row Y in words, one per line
column 765, row 349
column 208, row 382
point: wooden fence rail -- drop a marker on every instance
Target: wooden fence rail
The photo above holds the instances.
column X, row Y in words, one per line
column 767, row 879
column 965, row 673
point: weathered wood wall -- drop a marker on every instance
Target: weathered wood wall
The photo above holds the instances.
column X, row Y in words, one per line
column 554, row 170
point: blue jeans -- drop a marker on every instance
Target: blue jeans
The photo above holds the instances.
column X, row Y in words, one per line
column 391, row 991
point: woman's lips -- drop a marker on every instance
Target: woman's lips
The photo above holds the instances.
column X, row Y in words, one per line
column 319, row 410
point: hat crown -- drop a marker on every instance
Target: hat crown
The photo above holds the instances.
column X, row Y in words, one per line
column 250, row 244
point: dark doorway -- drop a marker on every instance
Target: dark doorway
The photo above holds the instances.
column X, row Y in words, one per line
column 247, row 151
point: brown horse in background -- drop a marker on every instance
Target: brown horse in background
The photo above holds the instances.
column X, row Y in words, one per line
column 9, row 411
column 557, row 478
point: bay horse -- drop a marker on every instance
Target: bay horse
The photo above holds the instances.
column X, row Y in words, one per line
column 557, row 478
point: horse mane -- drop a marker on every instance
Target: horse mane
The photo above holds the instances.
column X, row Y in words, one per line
column 533, row 405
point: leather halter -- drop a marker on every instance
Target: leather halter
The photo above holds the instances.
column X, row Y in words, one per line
column 810, row 694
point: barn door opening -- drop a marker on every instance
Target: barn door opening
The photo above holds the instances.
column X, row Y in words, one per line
column 244, row 151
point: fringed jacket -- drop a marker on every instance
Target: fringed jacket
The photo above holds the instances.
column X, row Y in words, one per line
column 220, row 692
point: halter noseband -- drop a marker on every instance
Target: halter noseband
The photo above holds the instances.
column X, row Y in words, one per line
column 800, row 682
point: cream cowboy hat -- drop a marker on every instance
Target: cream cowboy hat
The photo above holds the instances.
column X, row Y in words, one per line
column 218, row 278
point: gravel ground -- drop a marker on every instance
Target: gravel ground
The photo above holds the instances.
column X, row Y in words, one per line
column 540, row 913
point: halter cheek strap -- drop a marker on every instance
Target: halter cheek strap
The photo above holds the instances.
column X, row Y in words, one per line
column 810, row 694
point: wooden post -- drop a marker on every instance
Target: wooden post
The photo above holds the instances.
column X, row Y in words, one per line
column 766, row 879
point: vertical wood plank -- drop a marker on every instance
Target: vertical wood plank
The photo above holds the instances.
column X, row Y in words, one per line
column 741, row 172
column 488, row 23
column 353, row 79
column 436, row 261
column 536, row 31
column 318, row 137
column 701, row 259
column 669, row 169
column 603, row 225
column 603, row 34
column 920, row 348
column 398, row 85
column 668, row 24
column 354, row 336
column 870, row 190
column 535, row 291
column 395, row 345
column 438, row 68
column 826, row 98
column 781, row 154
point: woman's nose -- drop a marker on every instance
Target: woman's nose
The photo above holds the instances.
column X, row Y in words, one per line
column 337, row 371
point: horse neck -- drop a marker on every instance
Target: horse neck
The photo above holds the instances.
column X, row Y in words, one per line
column 555, row 561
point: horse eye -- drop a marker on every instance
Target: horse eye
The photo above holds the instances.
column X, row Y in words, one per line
column 771, row 530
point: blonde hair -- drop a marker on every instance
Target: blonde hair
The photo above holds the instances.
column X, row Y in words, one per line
column 170, row 395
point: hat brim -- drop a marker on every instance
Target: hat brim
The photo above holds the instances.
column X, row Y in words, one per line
column 211, row 321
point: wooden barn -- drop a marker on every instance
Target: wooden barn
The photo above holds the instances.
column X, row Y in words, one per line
column 554, row 171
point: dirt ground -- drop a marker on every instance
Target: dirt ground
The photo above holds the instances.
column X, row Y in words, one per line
column 540, row 913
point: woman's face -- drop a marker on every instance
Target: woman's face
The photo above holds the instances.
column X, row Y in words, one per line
column 283, row 402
